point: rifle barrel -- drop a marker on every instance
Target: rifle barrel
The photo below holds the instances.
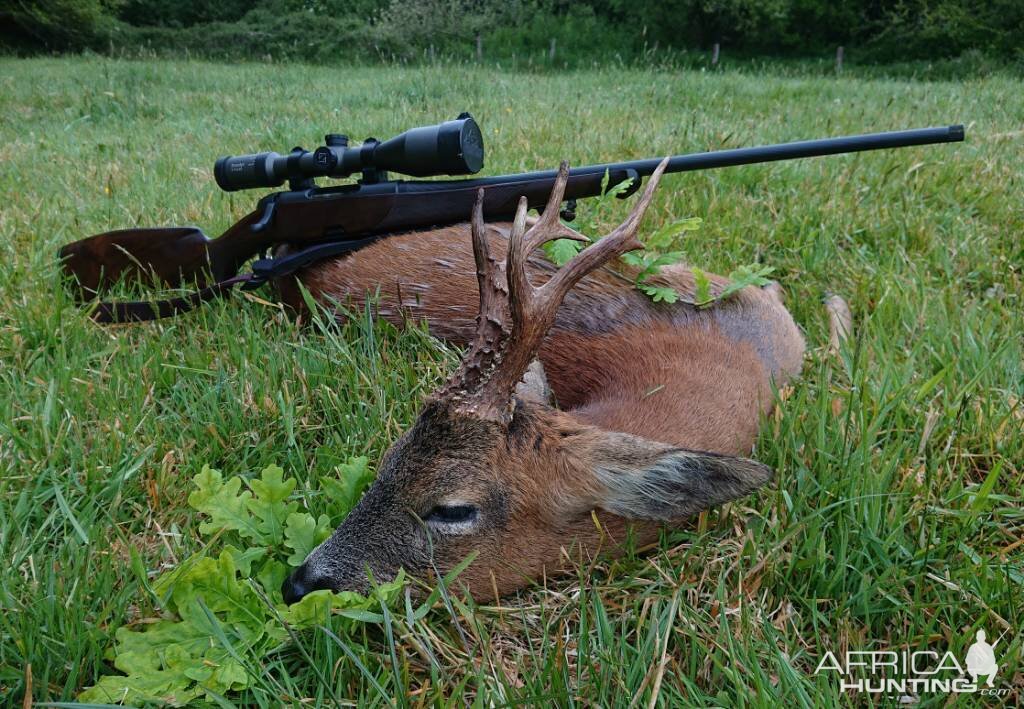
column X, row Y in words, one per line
column 760, row 154
column 799, row 149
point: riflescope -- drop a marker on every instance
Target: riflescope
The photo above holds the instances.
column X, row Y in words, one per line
column 450, row 148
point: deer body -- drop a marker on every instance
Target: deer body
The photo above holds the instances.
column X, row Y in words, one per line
column 694, row 377
column 654, row 400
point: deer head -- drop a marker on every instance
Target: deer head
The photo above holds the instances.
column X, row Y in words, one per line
column 489, row 467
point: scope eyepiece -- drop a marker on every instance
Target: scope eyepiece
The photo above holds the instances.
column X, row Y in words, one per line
column 451, row 148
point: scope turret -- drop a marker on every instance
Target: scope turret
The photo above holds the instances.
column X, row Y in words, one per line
column 450, row 148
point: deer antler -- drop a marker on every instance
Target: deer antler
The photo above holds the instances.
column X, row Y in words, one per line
column 501, row 351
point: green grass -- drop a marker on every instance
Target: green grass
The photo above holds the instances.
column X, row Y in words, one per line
column 896, row 518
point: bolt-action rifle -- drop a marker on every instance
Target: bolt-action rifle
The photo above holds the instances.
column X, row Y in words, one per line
column 321, row 222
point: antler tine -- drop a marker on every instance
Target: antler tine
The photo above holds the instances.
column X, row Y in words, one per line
column 492, row 325
column 493, row 293
column 548, row 226
column 621, row 240
column 522, row 243
column 520, row 291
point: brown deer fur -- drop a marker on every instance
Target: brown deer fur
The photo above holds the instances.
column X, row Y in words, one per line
column 696, row 375
column 643, row 389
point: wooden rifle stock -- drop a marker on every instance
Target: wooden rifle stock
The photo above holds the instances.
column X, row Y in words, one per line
column 176, row 256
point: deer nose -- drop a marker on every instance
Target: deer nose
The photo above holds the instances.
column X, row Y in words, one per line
column 301, row 583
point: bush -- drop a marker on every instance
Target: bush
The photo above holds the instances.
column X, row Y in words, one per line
column 595, row 31
column 291, row 37
column 925, row 29
column 580, row 36
column 57, row 25
column 182, row 13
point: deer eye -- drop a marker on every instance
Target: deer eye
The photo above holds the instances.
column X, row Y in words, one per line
column 452, row 515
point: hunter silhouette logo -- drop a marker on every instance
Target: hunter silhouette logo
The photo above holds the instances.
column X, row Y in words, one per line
column 981, row 659
column 909, row 672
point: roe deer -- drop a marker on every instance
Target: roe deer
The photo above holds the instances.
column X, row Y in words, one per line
column 655, row 401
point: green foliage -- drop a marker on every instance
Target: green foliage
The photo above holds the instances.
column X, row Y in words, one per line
column 662, row 247
column 182, row 13
column 222, row 607
column 407, row 27
column 744, row 276
column 561, row 251
column 588, row 220
column 261, row 34
column 739, row 278
column 582, row 35
column 912, row 29
column 343, row 489
column 948, row 28
column 702, row 290
column 520, row 33
column 57, row 24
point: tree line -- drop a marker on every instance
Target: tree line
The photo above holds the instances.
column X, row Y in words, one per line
column 570, row 32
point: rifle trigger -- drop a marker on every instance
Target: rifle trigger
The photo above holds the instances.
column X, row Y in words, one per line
column 262, row 271
column 268, row 216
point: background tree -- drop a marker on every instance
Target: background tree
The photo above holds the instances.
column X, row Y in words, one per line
column 56, row 25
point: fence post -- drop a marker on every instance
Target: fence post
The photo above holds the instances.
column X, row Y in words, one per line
column 551, row 53
column 479, row 47
column 714, row 54
column 839, row 59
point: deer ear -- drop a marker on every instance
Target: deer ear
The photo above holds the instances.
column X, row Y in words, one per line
column 640, row 479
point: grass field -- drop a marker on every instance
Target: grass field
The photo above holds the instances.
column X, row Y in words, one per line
column 896, row 519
